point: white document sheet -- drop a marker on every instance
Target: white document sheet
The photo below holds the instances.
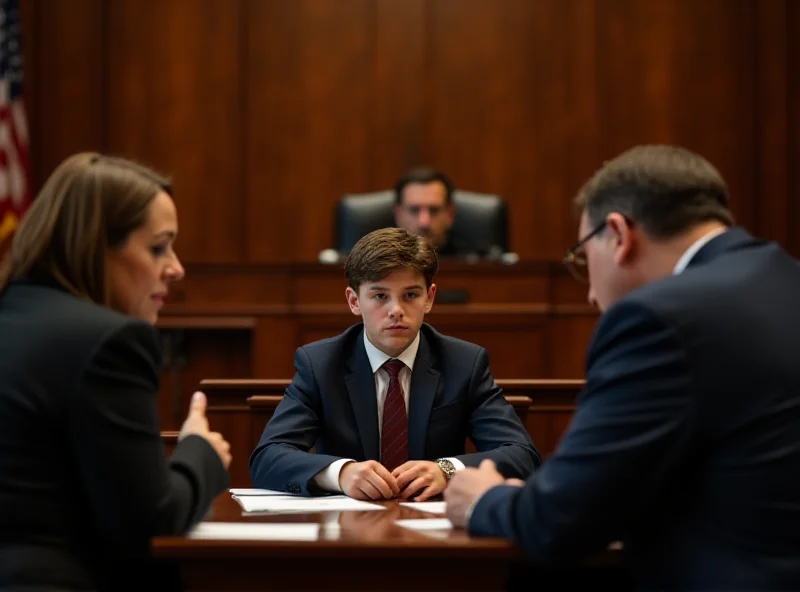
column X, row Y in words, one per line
column 285, row 504
column 253, row 531
column 259, row 492
column 432, row 507
column 426, row 524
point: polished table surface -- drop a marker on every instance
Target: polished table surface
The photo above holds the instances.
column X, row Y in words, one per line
column 362, row 550
column 367, row 532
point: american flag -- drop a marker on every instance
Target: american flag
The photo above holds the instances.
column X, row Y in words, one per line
column 14, row 164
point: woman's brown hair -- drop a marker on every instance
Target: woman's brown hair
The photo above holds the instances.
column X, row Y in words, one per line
column 88, row 206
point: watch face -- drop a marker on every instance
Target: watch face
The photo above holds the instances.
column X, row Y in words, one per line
column 448, row 468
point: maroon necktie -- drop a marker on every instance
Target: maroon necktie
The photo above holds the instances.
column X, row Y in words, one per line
column 394, row 424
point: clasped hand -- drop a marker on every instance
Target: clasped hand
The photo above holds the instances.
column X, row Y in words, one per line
column 370, row 480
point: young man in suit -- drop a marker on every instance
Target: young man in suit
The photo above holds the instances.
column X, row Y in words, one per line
column 686, row 440
column 388, row 404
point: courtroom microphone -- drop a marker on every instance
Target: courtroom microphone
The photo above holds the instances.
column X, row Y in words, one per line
column 496, row 253
column 331, row 256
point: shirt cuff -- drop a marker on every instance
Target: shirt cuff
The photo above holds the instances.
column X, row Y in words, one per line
column 328, row 478
column 456, row 463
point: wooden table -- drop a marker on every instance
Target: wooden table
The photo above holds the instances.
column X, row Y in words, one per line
column 360, row 550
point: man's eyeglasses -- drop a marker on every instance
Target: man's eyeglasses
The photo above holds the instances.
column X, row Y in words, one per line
column 575, row 257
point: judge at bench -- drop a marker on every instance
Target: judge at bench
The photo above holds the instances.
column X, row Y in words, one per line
column 424, row 206
column 84, row 481
column 388, row 404
column 685, row 443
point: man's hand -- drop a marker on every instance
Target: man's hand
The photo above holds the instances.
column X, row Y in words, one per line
column 197, row 424
column 368, row 480
column 422, row 478
column 466, row 487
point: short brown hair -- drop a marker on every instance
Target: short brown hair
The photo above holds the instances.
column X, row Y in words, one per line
column 664, row 189
column 88, row 206
column 382, row 252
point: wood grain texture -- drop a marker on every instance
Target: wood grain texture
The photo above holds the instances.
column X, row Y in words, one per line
column 173, row 100
column 308, row 69
column 65, row 79
column 266, row 111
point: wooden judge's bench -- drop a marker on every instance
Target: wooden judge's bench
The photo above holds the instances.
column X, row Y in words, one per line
column 246, row 321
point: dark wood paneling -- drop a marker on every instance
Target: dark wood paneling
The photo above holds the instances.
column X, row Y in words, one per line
column 567, row 339
column 665, row 75
column 772, row 110
column 308, row 103
column 65, row 82
column 173, row 100
column 511, row 108
column 193, row 353
column 266, row 111
column 792, row 23
column 397, row 95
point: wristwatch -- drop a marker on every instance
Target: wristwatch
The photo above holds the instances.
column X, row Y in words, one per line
column 448, row 468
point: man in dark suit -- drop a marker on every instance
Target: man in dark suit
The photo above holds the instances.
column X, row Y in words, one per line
column 388, row 405
column 685, row 442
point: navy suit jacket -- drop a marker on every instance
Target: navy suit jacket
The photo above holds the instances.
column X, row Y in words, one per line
column 331, row 405
column 685, row 443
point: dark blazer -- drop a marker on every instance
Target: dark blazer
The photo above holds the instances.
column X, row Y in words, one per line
column 331, row 405
column 84, row 481
column 685, row 443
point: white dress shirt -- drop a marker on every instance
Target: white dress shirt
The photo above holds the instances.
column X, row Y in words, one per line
column 328, row 478
column 689, row 253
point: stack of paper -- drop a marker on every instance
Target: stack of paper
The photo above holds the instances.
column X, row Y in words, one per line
column 259, row 492
column 432, row 507
column 426, row 524
column 287, row 504
column 254, row 531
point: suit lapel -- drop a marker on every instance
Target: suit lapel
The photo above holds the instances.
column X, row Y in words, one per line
column 361, row 388
column 424, row 382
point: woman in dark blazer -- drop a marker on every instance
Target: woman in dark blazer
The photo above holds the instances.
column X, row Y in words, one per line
column 84, row 481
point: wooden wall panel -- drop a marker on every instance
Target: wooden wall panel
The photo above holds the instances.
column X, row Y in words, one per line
column 681, row 71
column 771, row 195
column 308, row 103
column 398, row 97
column 64, row 79
column 567, row 340
column 511, row 108
column 173, row 100
column 190, row 355
column 266, row 111
column 792, row 23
